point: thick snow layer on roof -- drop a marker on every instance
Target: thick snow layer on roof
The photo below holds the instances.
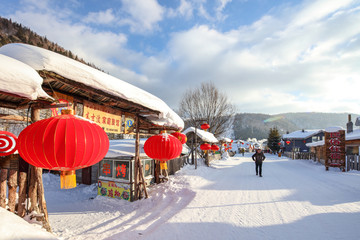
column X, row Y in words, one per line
column 124, row 147
column 301, row 135
column 42, row 59
column 205, row 136
column 333, row 129
column 20, row 79
column 354, row 135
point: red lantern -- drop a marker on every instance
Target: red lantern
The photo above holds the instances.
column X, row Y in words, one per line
column 225, row 144
column 215, row 147
column 163, row 147
column 182, row 137
column 205, row 146
column 205, row 126
column 279, row 143
column 288, row 142
column 63, row 143
column 7, row 143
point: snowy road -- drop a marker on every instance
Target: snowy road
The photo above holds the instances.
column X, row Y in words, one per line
column 296, row 199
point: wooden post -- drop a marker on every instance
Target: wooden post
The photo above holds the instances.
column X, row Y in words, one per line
column 41, row 197
column 22, row 193
column 36, row 188
column 137, row 159
column 139, row 174
column 3, row 178
column 12, row 185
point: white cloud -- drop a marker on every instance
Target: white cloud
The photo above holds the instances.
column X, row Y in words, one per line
column 102, row 17
column 185, row 10
column 143, row 16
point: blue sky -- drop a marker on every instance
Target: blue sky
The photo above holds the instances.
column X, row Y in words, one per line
column 266, row 56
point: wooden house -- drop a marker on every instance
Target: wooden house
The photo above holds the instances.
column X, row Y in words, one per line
column 296, row 141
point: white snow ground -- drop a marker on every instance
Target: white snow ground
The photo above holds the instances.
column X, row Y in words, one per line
column 296, row 199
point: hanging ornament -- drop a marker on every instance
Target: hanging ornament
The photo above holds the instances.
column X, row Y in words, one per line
column 205, row 126
column 205, row 146
column 63, row 143
column 288, row 142
column 163, row 147
column 182, row 137
column 215, row 148
column 8, row 144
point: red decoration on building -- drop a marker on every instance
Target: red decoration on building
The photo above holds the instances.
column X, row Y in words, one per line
column 182, row 137
column 205, row 126
column 8, row 143
column 205, row 146
column 63, row 143
column 215, row 147
column 163, row 147
column 288, row 142
column 279, row 143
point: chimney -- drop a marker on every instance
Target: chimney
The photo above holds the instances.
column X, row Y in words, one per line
column 349, row 125
column 303, row 130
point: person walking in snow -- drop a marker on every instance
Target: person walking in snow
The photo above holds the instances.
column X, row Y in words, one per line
column 258, row 157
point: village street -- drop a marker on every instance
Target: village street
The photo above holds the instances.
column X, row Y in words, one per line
column 296, row 199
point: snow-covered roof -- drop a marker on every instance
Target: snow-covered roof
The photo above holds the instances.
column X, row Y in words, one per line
column 42, row 59
column 20, row 79
column 205, row 136
column 300, row 134
column 333, row 129
column 354, row 135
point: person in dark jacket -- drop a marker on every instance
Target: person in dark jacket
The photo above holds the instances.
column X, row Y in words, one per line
column 258, row 157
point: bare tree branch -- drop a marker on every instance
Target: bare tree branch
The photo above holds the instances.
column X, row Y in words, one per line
column 207, row 102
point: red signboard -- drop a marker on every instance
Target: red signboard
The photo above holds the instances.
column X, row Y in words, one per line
column 335, row 149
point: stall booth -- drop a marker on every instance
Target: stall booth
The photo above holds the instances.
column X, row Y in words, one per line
column 116, row 170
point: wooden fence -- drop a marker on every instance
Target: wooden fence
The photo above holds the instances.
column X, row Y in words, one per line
column 352, row 162
column 300, row 155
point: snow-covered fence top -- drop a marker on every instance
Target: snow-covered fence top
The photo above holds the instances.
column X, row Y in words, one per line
column 42, row 59
column 205, row 136
column 19, row 79
column 125, row 147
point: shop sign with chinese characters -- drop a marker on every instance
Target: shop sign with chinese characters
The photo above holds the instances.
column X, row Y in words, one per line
column 108, row 118
column 114, row 190
column 335, row 149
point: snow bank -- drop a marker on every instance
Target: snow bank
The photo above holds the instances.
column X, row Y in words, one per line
column 20, row 79
column 14, row 227
column 205, row 136
column 42, row 59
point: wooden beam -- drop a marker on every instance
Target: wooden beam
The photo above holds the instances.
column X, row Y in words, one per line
column 13, row 117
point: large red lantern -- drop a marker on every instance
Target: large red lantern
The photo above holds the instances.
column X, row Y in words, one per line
column 205, row 126
column 63, row 143
column 288, row 142
column 215, row 148
column 205, row 146
column 163, row 147
column 182, row 137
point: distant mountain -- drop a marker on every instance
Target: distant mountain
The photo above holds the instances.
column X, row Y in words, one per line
column 253, row 125
column 12, row 32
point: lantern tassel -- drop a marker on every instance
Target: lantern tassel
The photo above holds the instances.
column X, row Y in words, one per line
column 67, row 179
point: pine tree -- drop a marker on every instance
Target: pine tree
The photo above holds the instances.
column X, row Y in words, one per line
column 274, row 139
